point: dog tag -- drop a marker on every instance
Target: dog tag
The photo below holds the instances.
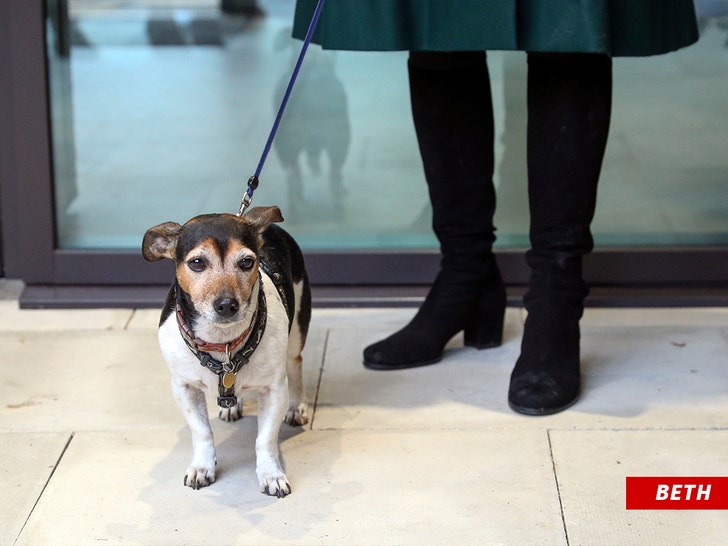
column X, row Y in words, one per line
column 228, row 380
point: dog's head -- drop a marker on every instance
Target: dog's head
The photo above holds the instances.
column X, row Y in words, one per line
column 216, row 259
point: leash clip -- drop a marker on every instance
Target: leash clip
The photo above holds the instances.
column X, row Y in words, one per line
column 248, row 195
column 244, row 204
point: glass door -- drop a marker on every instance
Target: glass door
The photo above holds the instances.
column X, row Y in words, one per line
column 159, row 110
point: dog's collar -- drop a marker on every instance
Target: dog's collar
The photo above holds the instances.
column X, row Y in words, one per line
column 227, row 369
column 200, row 345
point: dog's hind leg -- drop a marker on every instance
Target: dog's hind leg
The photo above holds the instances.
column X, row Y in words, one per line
column 191, row 401
column 272, row 404
column 297, row 414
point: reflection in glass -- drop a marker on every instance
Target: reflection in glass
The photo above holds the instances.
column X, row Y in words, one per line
column 161, row 110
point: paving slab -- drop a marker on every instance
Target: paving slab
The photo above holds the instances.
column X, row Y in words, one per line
column 349, row 487
column 592, row 465
column 98, row 380
column 80, row 380
column 633, row 376
column 14, row 319
column 28, row 460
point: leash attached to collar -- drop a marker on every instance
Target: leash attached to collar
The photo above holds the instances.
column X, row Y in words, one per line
column 253, row 181
column 225, row 370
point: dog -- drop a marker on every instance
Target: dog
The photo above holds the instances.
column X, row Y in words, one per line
column 235, row 320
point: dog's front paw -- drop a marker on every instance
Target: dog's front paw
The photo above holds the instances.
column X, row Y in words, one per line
column 275, row 486
column 232, row 414
column 199, row 476
column 296, row 416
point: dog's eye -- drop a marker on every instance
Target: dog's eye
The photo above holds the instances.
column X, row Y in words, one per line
column 197, row 264
column 246, row 263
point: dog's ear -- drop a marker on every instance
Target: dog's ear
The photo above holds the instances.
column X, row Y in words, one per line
column 261, row 217
column 160, row 242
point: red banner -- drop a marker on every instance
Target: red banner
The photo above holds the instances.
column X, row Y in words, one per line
column 677, row 493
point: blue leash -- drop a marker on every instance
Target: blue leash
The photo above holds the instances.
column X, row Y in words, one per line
column 253, row 181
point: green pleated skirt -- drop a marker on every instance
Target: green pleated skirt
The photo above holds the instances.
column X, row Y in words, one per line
column 614, row 27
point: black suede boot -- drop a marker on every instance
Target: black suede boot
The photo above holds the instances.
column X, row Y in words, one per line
column 569, row 106
column 451, row 107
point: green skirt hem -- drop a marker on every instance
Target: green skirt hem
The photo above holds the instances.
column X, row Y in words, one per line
column 613, row 27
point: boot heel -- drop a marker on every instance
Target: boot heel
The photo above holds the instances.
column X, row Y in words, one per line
column 486, row 328
column 485, row 335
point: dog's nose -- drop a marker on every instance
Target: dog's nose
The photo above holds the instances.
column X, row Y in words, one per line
column 226, row 307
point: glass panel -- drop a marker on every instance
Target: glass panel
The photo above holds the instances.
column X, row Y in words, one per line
column 161, row 110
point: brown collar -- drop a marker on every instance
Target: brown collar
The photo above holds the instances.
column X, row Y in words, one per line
column 204, row 346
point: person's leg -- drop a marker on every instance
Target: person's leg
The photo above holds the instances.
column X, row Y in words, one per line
column 569, row 106
column 452, row 112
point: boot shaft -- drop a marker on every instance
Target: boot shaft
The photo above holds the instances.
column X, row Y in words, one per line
column 569, row 108
column 453, row 119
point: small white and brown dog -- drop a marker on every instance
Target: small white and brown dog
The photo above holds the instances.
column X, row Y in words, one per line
column 235, row 320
